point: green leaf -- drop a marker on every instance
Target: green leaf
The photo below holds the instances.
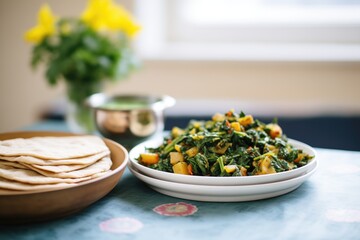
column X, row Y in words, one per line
column 83, row 56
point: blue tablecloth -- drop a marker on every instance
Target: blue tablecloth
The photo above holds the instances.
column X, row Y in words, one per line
column 326, row 206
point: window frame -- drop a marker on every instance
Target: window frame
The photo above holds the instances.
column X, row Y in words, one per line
column 157, row 41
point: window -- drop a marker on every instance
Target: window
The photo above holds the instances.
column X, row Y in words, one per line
column 325, row 30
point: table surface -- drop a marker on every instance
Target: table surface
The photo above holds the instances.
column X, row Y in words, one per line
column 326, row 206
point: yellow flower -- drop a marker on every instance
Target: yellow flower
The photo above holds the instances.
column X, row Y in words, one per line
column 106, row 15
column 45, row 27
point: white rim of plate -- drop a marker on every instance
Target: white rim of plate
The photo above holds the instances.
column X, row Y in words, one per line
column 238, row 198
column 212, row 190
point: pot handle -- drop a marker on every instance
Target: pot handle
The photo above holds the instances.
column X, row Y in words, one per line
column 168, row 101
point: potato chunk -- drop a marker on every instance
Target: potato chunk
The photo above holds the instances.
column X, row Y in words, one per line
column 176, row 157
column 192, row 151
column 247, row 120
column 149, row 158
column 274, row 130
column 236, row 126
column 230, row 168
column 265, row 166
column 181, row 168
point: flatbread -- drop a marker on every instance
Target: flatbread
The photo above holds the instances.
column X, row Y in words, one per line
column 53, row 147
column 12, row 185
column 13, row 164
column 85, row 161
column 32, row 177
column 41, row 163
column 102, row 165
column 59, row 168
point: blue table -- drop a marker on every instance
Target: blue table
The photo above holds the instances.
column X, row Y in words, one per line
column 327, row 206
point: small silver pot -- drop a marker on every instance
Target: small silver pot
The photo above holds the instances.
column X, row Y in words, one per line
column 135, row 119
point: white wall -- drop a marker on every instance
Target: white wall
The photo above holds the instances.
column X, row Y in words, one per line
column 24, row 93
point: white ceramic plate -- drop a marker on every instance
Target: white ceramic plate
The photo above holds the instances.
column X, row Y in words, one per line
column 225, row 181
column 223, row 193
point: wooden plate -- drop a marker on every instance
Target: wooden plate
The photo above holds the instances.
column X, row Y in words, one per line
column 41, row 205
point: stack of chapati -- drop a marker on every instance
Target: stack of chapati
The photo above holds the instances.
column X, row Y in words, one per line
column 51, row 162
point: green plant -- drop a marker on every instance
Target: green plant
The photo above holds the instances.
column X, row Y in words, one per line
column 84, row 51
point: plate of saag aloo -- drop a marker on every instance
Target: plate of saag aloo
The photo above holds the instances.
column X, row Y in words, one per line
column 228, row 149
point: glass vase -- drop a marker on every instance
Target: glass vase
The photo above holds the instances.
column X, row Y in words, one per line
column 79, row 117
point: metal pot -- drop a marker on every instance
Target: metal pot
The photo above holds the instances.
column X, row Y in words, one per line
column 129, row 119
